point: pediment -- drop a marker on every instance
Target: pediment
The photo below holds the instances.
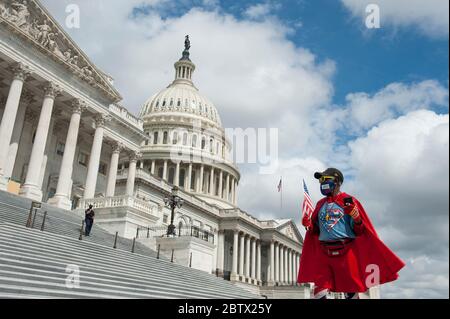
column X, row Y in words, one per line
column 30, row 19
column 290, row 230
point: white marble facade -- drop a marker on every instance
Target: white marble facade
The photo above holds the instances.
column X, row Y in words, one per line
column 65, row 139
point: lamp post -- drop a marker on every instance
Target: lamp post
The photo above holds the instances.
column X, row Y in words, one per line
column 172, row 202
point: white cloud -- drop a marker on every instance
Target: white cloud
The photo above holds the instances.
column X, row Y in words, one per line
column 402, row 173
column 393, row 100
column 430, row 17
column 259, row 10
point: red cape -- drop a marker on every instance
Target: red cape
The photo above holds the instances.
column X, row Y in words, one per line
column 368, row 247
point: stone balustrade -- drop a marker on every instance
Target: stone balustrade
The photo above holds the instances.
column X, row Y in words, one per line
column 120, row 201
column 126, row 115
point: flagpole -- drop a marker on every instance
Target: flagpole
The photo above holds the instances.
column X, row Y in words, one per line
column 281, row 194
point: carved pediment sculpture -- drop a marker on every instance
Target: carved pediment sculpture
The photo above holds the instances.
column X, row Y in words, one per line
column 31, row 19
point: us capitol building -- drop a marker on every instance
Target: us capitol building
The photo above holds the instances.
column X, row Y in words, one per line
column 65, row 139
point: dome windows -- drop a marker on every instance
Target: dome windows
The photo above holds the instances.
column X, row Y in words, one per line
column 165, row 137
column 175, row 138
column 194, row 140
column 155, row 137
column 203, row 142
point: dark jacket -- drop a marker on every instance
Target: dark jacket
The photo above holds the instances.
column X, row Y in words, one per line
column 89, row 213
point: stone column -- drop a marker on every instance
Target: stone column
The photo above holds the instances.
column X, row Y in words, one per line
column 112, row 174
column 297, row 265
column 49, row 147
column 31, row 187
column 221, row 184
column 165, row 170
column 176, row 178
column 94, row 160
column 134, row 156
column 247, row 256
column 232, row 191
column 17, row 134
column 291, row 268
column 152, row 168
column 258, row 264
column 281, row 264
column 277, row 262
column 211, row 182
column 271, row 263
column 285, row 263
column 202, row 172
column 234, row 268
column 61, row 198
column 227, row 188
column 21, row 72
column 235, row 192
column 253, row 268
column 220, row 251
column 241, row 255
column 189, row 178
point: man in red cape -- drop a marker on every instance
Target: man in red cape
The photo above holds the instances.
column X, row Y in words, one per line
column 342, row 251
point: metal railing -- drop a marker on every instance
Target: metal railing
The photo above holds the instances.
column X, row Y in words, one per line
column 184, row 231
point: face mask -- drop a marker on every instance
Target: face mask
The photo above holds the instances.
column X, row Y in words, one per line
column 327, row 188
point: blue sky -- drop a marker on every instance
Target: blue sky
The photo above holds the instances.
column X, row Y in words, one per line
column 367, row 59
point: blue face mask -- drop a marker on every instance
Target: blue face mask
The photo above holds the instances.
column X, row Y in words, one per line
column 327, row 188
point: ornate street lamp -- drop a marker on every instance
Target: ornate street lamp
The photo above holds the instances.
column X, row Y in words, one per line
column 171, row 202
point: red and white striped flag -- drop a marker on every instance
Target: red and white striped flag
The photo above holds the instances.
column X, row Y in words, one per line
column 308, row 207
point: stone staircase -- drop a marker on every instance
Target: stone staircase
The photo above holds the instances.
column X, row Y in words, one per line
column 15, row 209
column 36, row 264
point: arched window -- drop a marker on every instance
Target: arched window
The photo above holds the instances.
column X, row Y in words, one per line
column 185, row 139
column 164, row 103
column 203, row 142
column 157, row 103
column 160, row 172
column 155, row 138
column 171, row 102
column 211, row 145
column 165, row 138
column 194, row 140
column 175, row 138
column 179, row 103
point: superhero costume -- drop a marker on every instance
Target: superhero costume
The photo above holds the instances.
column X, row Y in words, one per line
column 351, row 265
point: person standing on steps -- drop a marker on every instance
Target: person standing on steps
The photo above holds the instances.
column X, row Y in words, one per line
column 342, row 251
column 89, row 220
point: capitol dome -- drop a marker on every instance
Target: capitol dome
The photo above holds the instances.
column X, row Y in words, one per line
column 182, row 97
column 186, row 144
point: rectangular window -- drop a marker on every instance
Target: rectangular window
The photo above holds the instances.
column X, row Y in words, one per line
column 102, row 168
column 165, row 219
column 60, row 148
column 83, row 159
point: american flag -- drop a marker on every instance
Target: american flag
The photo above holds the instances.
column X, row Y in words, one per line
column 307, row 208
